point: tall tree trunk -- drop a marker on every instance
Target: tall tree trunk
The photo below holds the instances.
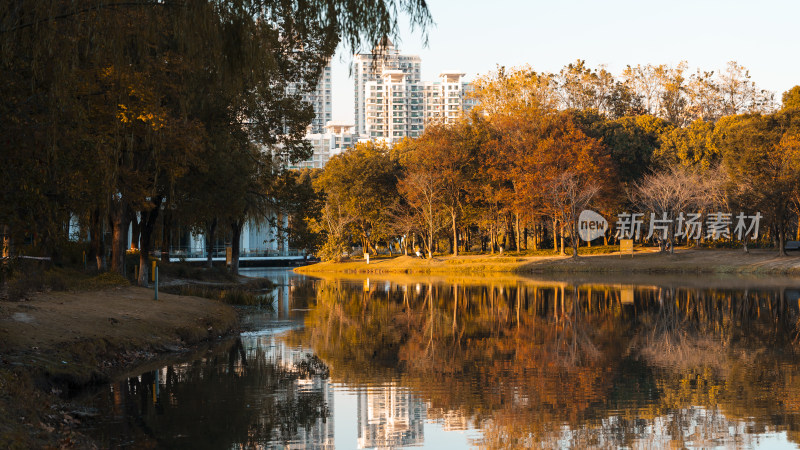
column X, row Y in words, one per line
column 97, row 248
column 211, row 229
column 561, row 232
column 236, row 229
column 491, row 239
column 147, row 223
column 120, row 219
column 525, row 237
column 555, row 235
column 781, row 232
column 574, row 237
column 517, row 232
column 455, row 233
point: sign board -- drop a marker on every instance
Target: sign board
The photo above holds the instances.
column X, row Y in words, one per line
column 626, row 246
column 228, row 255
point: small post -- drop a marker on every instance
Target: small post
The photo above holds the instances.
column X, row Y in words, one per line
column 155, row 276
column 153, row 272
column 366, row 257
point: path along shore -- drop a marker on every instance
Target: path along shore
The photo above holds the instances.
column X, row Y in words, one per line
column 684, row 261
column 56, row 342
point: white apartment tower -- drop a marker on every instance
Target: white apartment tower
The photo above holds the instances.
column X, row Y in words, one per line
column 392, row 103
column 370, row 70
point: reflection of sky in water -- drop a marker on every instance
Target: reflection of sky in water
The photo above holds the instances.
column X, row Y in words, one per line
column 390, row 411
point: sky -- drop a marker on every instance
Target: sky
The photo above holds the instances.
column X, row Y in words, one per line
column 476, row 36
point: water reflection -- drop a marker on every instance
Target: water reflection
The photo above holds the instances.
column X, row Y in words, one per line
column 501, row 363
column 565, row 364
column 233, row 397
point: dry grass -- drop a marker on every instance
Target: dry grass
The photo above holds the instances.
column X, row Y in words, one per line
column 240, row 295
column 684, row 261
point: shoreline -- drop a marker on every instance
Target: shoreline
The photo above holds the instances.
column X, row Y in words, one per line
column 57, row 343
column 684, row 261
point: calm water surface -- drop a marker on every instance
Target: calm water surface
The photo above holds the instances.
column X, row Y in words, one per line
column 493, row 362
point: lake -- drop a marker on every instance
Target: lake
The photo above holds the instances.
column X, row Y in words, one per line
column 489, row 361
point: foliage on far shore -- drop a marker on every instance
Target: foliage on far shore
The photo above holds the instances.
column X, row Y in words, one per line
column 538, row 149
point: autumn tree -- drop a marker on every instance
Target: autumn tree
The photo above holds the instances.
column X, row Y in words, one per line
column 574, row 169
column 762, row 157
column 363, row 183
column 689, row 146
column 423, row 190
column 449, row 152
column 791, row 98
column 665, row 194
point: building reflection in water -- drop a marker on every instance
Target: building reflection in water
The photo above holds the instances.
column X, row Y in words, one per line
column 389, row 416
column 256, row 392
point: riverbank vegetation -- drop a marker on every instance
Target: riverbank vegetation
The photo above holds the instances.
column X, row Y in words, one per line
column 539, row 148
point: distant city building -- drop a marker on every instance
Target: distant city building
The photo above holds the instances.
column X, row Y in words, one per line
column 321, row 99
column 392, row 103
column 335, row 138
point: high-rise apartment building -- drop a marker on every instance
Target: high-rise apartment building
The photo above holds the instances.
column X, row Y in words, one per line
column 370, row 70
column 321, row 99
column 391, row 102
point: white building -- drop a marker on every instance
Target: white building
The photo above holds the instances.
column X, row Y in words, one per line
column 335, row 138
column 370, row 68
column 392, row 103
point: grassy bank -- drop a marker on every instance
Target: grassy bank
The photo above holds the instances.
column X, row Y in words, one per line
column 53, row 343
column 644, row 261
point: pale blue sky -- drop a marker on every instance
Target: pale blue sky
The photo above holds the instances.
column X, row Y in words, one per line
column 474, row 36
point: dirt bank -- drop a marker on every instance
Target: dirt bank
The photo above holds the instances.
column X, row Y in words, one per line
column 683, row 261
column 60, row 341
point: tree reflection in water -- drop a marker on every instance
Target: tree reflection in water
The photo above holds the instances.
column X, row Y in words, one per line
column 233, row 397
column 539, row 364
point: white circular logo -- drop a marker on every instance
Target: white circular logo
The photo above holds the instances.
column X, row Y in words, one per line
column 591, row 225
